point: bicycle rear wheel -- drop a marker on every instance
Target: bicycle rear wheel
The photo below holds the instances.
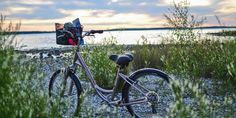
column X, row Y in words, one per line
column 65, row 92
column 158, row 90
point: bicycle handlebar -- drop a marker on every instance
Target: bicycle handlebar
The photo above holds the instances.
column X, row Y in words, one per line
column 96, row 31
column 92, row 32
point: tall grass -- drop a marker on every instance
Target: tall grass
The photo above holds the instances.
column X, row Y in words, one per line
column 195, row 61
column 192, row 57
column 148, row 55
column 19, row 93
column 195, row 55
column 97, row 59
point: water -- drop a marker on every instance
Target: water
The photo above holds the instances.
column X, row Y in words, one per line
column 48, row 40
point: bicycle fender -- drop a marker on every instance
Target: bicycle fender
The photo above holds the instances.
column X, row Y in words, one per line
column 76, row 78
column 150, row 71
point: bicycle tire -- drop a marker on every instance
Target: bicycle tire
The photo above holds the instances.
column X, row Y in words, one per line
column 75, row 95
column 143, row 110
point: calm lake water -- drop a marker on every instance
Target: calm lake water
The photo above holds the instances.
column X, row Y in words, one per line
column 48, row 40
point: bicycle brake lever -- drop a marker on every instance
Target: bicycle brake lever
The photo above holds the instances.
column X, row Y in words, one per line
column 92, row 35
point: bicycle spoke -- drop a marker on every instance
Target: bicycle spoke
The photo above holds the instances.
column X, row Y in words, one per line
column 65, row 94
column 158, row 92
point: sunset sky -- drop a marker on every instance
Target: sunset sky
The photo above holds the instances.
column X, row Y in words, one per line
column 40, row 15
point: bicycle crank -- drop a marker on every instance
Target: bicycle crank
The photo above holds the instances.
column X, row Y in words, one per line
column 152, row 99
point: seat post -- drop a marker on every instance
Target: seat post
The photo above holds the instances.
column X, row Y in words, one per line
column 116, row 82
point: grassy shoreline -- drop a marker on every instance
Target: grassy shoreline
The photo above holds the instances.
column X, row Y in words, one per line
column 206, row 94
column 207, row 56
column 225, row 33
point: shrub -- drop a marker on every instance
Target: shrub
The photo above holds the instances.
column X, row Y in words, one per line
column 192, row 57
column 97, row 59
column 19, row 92
column 148, row 55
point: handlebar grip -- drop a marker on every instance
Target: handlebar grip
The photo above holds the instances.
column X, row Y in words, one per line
column 96, row 31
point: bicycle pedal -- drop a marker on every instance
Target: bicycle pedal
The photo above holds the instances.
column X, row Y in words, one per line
column 116, row 98
column 115, row 103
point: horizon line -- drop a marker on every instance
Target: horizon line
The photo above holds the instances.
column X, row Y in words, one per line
column 127, row 29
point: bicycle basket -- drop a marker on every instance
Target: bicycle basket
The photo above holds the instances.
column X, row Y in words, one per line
column 66, row 34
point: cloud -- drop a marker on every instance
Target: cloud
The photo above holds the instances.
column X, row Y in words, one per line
column 18, row 10
column 114, row 0
column 39, row 14
column 112, row 19
column 75, row 2
column 119, row 2
column 227, row 7
column 142, row 4
column 83, row 3
column 95, row 19
column 86, row 13
column 124, row 3
column 193, row 3
column 36, row 2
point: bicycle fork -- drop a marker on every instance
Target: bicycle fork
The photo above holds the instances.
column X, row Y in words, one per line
column 64, row 83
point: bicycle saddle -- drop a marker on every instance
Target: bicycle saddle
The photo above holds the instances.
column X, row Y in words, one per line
column 122, row 60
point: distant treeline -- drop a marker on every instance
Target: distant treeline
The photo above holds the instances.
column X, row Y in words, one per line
column 33, row 32
column 128, row 29
column 167, row 28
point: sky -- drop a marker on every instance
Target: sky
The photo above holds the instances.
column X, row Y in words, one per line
column 40, row 15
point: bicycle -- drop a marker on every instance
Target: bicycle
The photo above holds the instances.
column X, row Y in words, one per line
column 140, row 93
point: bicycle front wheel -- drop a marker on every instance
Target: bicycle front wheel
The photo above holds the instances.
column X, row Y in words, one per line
column 155, row 89
column 64, row 92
